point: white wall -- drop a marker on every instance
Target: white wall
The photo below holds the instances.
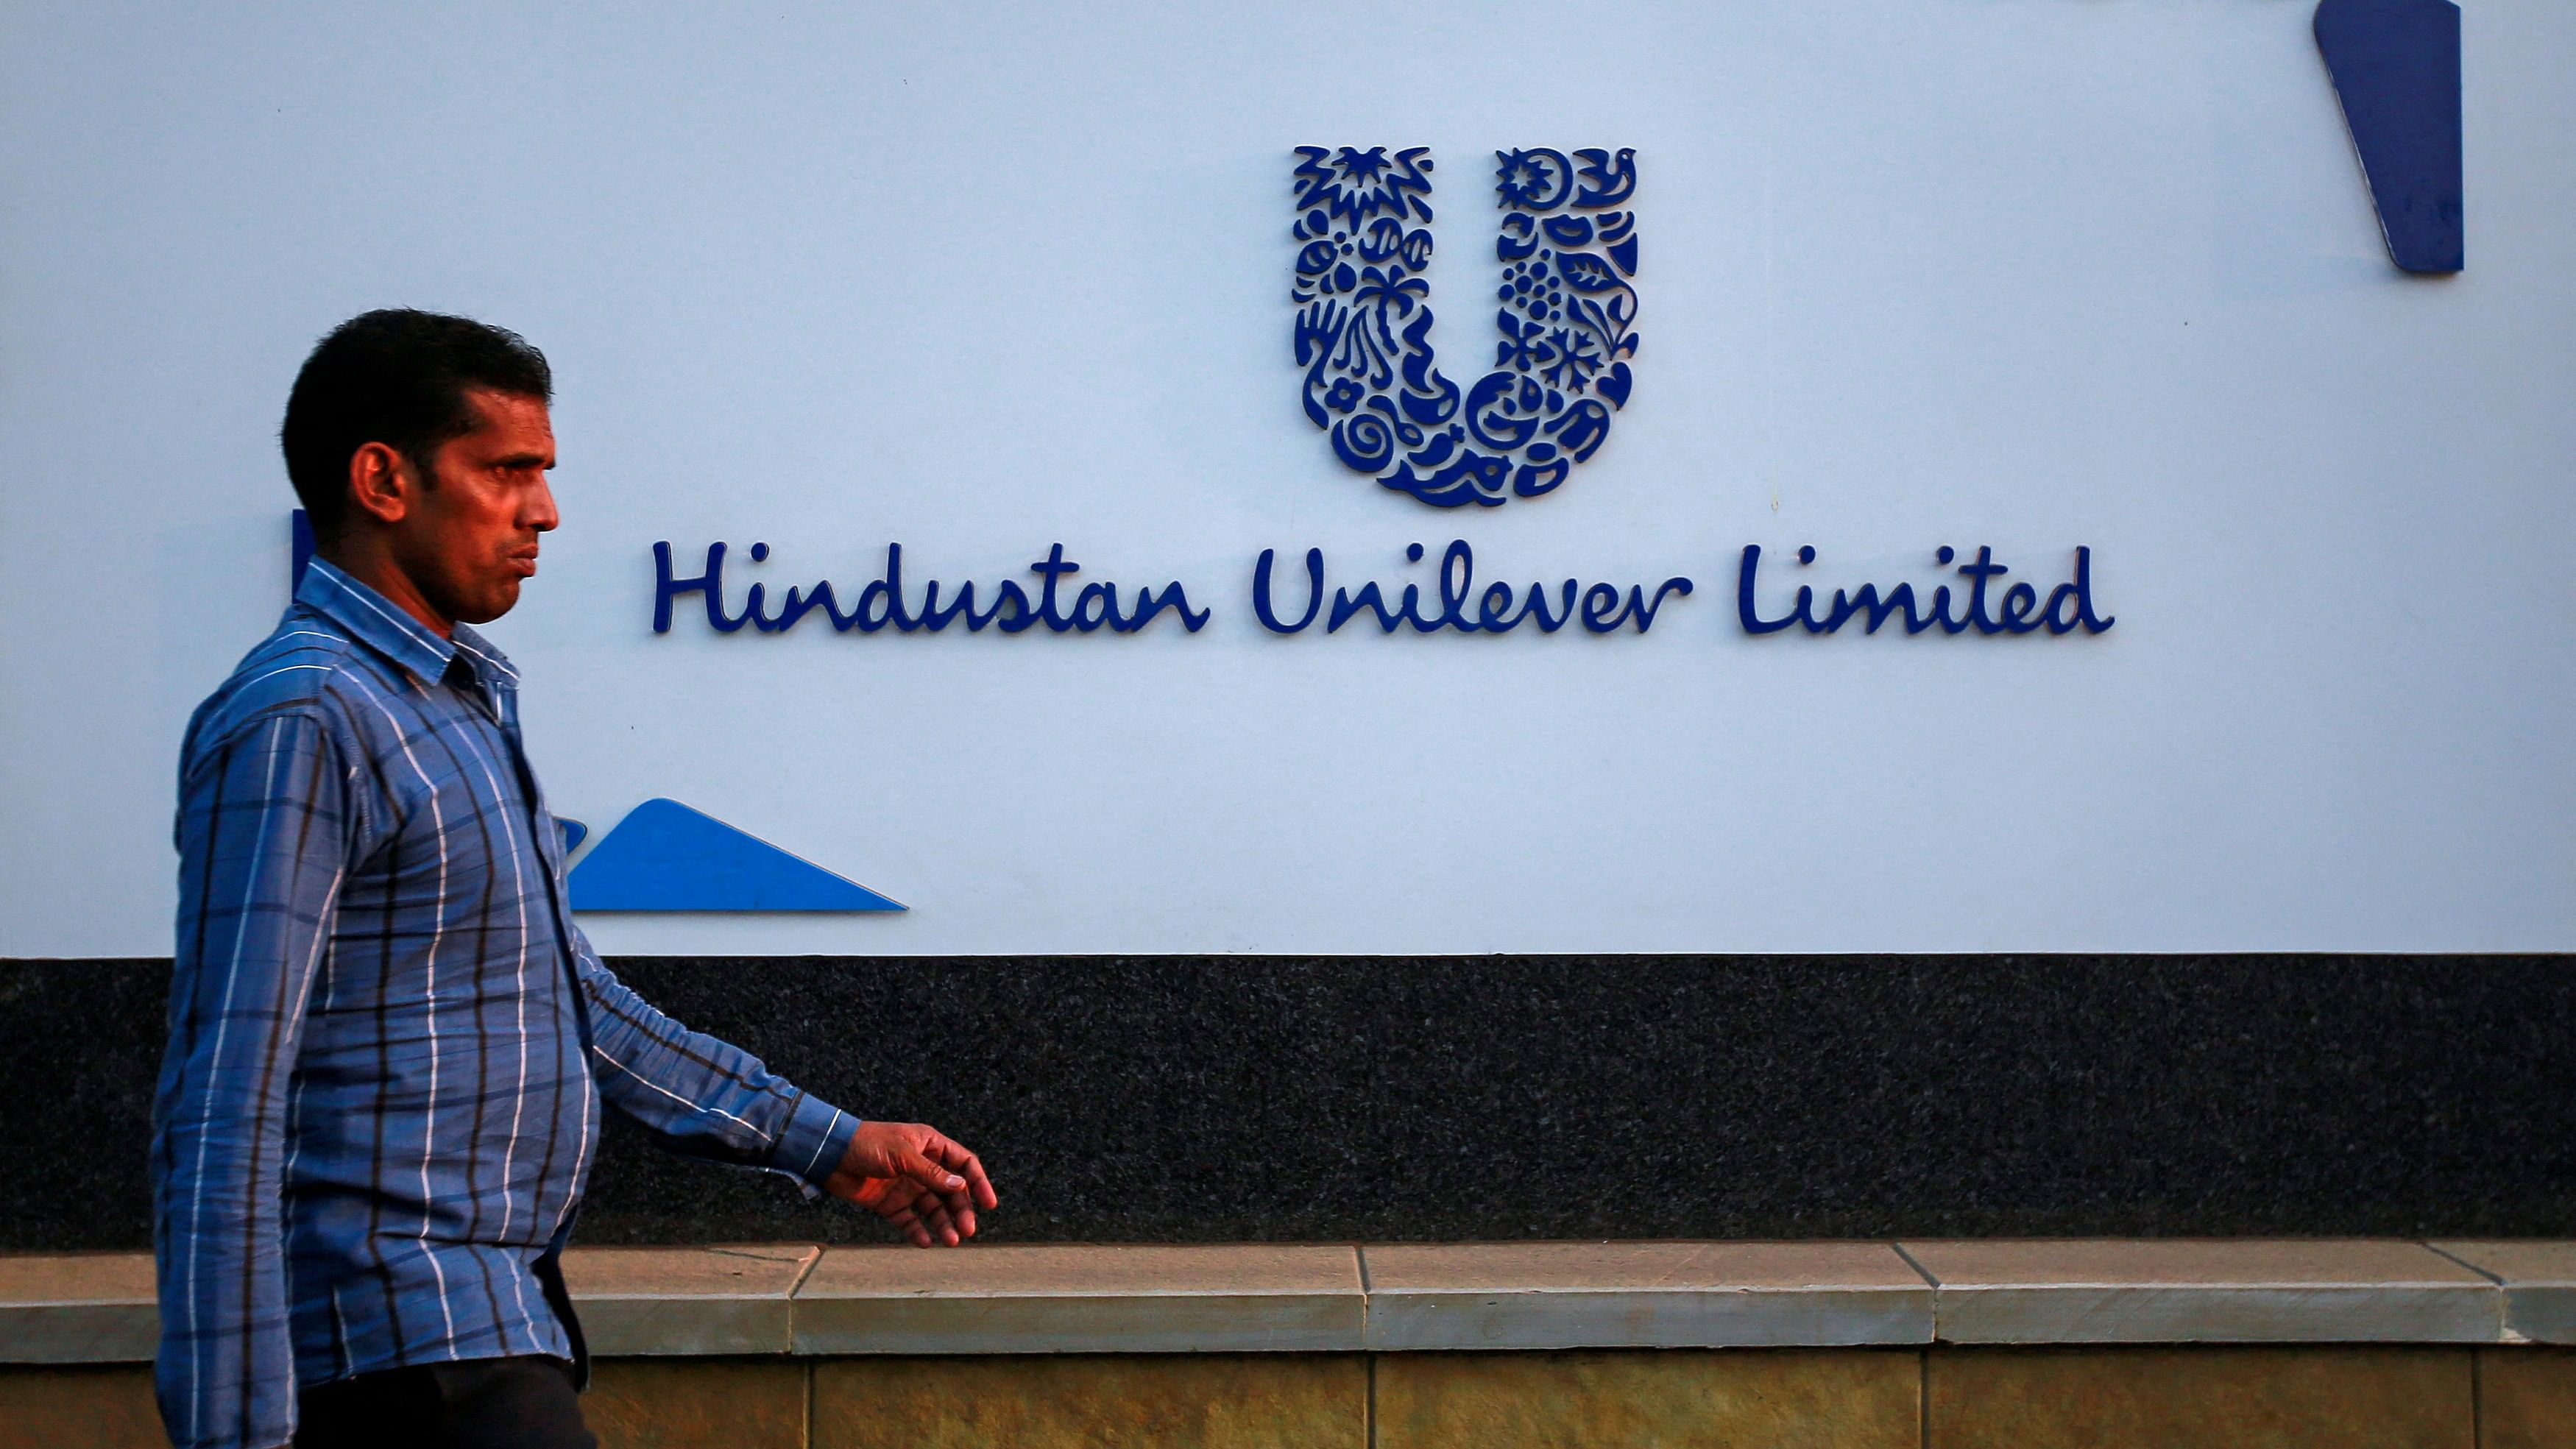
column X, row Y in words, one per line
column 2029, row 273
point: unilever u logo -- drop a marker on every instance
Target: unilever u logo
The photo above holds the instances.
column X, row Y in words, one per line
column 1568, row 248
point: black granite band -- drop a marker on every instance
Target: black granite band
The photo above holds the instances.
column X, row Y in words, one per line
column 1380, row 1098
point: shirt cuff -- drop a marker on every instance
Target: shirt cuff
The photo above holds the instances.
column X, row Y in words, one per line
column 817, row 1138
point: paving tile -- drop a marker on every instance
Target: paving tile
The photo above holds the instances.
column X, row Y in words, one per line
column 2539, row 1284
column 1192, row 1401
column 656, row 1403
column 2206, row 1291
column 687, row 1300
column 78, row 1308
column 2314, row 1397
column 2527, row 1397
column 1648, row 1295
column 94, row 1407
column 1854, row 1398
column 1081, row 1299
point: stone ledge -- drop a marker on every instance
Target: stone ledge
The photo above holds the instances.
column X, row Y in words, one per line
column 649, row 1301
column 2539, row 1281
column 2184, row 1291
column 1082, row 1299
column 795, row 1299
column 78, row 1308
column 1643, row 1295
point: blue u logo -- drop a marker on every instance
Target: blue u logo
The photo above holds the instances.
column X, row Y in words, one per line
column 1567, row 245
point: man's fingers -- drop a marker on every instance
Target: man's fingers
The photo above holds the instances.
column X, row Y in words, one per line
column 910, row 1226
column 924, row 1184
column 939, row 1219
column 931, row 1175
column 954, row 1155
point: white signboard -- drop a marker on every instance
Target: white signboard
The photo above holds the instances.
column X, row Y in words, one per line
column 1912, row 285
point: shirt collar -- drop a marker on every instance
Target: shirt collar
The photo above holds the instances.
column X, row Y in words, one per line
column 373, row 620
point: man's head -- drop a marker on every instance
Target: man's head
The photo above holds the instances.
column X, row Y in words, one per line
column 419, row 445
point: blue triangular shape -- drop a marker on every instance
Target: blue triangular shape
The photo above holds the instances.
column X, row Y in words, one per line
column 2396, row 68
column 665, row 856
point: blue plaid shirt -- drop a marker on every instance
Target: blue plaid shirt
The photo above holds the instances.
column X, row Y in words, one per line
column 388, row 1040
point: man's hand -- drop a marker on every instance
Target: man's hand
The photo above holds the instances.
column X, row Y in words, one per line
column 916, row 1179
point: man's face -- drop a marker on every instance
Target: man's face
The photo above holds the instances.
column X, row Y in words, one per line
column 471, row 535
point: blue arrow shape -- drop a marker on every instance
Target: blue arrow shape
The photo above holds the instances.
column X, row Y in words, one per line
column 665, row 856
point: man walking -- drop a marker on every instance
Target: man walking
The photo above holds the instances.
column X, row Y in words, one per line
column 389, row 1043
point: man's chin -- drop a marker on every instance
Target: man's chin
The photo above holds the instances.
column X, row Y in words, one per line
column 499, row 600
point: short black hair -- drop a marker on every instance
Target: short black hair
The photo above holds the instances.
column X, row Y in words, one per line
column 397, row 377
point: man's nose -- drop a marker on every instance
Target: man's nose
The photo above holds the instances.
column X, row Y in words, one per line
column 541, row 513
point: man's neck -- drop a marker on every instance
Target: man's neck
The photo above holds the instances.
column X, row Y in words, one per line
column 369, row 563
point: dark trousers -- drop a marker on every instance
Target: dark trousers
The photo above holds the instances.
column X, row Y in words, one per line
column 487, row 1403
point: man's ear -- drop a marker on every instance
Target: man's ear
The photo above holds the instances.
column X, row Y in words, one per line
column 381, row 484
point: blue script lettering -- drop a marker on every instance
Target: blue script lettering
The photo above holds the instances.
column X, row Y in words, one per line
column 2017, row 611
column 1603, row 608
column 882, row 603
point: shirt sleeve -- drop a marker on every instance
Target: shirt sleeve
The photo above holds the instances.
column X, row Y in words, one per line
column 264, row 838
column 701, row 1097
